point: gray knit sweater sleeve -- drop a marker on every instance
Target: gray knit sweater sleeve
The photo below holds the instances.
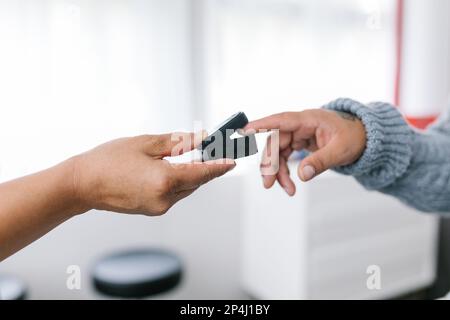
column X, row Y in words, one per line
column 410, row 165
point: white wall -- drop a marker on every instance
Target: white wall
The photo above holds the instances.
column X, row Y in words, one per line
column 76, row 73
column 424, row 78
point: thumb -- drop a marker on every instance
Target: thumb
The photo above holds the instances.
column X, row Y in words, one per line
column 189, row 176
column 318, row 162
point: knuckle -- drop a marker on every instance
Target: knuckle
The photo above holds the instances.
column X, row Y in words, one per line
column 163, row 184
column 144, row 141
column 162, row 208
column 269, row 167
column 153, row 142
column 317, row 112
column 145, row 138
column 207, row 173
column 158, row 144
column 321, row 134
column 319, row 164
column 286, row 115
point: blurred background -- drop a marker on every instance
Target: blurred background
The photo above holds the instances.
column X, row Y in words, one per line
column 76, row 73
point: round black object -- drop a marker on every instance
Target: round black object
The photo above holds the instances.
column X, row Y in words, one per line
column 137, row 273
column 12, row 288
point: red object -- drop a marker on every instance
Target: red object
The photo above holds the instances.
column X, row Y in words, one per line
column 421, row 123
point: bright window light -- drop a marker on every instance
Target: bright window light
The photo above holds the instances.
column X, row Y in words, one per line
column 77, row 73
column 270, row 56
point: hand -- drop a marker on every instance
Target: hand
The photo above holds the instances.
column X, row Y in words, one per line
column 129, row 175
column 333, row 138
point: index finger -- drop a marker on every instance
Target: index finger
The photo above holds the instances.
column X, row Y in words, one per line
column 285, row 121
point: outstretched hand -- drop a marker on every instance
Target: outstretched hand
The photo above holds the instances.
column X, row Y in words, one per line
column 129, row 175
column 333, row 138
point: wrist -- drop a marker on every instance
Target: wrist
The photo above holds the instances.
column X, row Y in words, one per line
column 70, row 187
column 360, row 139
column 388, row 150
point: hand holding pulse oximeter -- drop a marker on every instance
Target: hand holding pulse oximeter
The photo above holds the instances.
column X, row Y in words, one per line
column 220, row 144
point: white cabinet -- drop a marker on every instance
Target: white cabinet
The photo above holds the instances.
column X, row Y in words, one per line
column 319, row 244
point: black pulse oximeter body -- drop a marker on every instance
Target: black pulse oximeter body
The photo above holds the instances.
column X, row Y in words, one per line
column 220, row 145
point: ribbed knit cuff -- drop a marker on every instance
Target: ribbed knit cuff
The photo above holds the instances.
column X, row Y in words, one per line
column 388, row 149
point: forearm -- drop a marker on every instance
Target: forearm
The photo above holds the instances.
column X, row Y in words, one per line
column 33, row 205
column 411, row 166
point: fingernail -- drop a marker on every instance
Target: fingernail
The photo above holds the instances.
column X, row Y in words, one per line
column 308, row 172
column 287, row 191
